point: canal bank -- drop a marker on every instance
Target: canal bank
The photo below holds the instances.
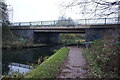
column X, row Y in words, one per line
column 29, row 46
column 25, row 56
column 50, row 67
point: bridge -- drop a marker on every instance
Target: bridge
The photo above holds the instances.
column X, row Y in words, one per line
column 42, row 31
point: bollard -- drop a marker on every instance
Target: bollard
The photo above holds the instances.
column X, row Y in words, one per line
column 65, row 43
column 78, row 44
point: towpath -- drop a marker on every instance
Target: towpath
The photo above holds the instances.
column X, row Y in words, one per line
column 74, row 65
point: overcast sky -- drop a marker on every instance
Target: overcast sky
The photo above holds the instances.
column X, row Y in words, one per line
column 40, row 10
column 37, row 10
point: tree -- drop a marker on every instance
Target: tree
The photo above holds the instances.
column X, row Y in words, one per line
column 96, row 8
column 63, row 21
column 4, row 11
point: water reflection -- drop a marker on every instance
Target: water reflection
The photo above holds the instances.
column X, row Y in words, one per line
column 20, row 68
column 23, row 56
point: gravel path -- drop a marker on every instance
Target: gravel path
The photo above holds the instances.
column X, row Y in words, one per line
column 74, row 65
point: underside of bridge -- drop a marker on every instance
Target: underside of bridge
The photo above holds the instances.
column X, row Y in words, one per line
column 46, row 38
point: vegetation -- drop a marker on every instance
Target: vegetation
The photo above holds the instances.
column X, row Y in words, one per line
column 16, row 75
column 10, row 40
column 63, row 21
column 50, row 67
column 103, row 57
column 98, row 8
column 71, row 38
column 4, row 11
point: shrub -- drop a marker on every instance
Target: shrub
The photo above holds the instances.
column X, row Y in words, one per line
column 103, row 57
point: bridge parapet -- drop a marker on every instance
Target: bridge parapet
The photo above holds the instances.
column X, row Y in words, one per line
column 94, row 21
column 77, row 27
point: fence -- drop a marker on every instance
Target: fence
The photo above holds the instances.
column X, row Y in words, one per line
column 94, row 21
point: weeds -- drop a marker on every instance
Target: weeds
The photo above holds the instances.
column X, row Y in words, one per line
column 103, row 57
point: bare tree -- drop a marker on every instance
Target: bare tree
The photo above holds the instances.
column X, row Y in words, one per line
column 4, row 11
column 95, row 8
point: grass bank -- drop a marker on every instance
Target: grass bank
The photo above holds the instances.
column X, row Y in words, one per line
column 50, row 67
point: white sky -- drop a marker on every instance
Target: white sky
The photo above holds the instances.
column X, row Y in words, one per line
column 37, row 10
column 40, row 10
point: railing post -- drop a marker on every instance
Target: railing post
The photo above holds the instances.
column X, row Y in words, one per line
column 19, row 24
column 69, row 23
column 54, row 22
column 105, row 20
column 118, row 20
column 41, row 23
column 78, row 44
column 85, row 21
column 30, row 23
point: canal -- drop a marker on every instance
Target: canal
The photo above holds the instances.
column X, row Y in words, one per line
column 20, row 60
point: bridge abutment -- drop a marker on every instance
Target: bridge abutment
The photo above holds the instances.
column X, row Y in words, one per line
column 38, row 37
column 92, row 34
column 27, row 34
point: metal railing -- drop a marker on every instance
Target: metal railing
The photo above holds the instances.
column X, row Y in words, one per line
column 94, row 21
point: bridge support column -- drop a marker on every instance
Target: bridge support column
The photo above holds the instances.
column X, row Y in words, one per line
column 46, row 38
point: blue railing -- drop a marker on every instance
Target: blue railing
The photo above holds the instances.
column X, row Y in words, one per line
column 95, row 21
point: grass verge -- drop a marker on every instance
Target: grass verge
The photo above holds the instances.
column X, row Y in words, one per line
column 50, row 67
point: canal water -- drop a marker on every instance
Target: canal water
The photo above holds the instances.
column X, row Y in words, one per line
column 19, row 60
